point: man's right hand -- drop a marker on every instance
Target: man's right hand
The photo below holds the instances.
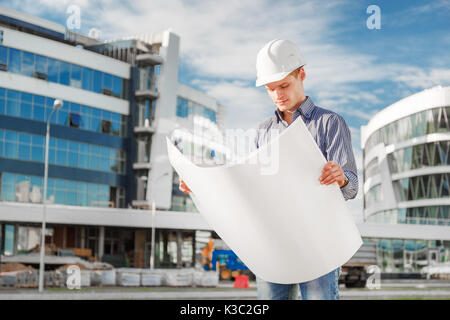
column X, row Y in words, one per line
column 183, row 187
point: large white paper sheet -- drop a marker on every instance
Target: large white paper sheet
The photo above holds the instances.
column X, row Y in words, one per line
column 285, row 226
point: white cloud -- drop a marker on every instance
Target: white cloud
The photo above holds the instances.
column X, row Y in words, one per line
column 246, row 106
column 43, row 7
column 220, row 39
column 418, row 78
column 342, row 98
column 356, row 134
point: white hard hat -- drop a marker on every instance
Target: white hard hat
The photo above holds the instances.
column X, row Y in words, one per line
column 276, row 60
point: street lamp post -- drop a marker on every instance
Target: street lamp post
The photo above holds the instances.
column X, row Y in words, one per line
column 56, row 105
column 152, row 251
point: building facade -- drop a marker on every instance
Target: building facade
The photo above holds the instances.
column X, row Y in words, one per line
column 406, row 176
column 107, row 152
column 108, row 158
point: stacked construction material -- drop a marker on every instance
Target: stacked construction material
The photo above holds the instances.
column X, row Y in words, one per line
column 437, row 270
column 23, row 276
column 86, row 278
column 8, row 267
column 17, row 274
column 108, row 277
column 202, row 278
column 152, row 277
column 54, row 279
column 129, row 277
column 178, row 277
column 96, row 277
column 8, row 279
column 27, row 279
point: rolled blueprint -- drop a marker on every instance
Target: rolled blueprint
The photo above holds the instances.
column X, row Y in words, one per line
column 272, row 211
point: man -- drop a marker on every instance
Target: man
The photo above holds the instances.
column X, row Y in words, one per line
column 280, row 68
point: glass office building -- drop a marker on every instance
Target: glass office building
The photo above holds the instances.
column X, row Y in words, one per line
column 22, row 135
column 118, row 97
column 406, row 175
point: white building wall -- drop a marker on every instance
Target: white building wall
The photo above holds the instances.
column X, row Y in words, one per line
column 165, row 122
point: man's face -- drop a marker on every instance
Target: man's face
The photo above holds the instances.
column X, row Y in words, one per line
column 286, row 93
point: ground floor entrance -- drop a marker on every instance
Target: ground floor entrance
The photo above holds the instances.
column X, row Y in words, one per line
column 120, row 246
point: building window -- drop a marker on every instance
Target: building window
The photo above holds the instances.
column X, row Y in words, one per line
column 373, row 196
column 182, row 108
column 27, row 68
column 106, row 126
column 35, row 107
column 53, row 70
column 415, row 125
column 144, row 78
column 107, row 82
column 186, row 108
column 41, row 64
column 33, row 65
column 8, row 249
column 372, row 168
column 3, row 56
column 86, row 83
column 15, row 187
column 64, row 73
column 117, row 88
column 420, row 156
column 429, row 215
column 75, row 76
column 14, row 60
column 30, row 147
column 75, row 120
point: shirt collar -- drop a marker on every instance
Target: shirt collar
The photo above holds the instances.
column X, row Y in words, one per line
column 306, row 108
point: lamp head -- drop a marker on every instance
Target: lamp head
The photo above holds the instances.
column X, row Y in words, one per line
column 57, row 104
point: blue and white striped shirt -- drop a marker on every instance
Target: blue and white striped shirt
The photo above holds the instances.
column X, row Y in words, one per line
column 330, row 132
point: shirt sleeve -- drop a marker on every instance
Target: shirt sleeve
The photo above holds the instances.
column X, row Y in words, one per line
column 254, row 139
column 255, row 136
column 339, row 149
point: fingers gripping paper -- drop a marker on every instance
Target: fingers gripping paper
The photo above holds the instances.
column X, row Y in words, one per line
column 285, row 226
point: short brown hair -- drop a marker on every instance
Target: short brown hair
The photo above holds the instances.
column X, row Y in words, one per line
column 295, row 72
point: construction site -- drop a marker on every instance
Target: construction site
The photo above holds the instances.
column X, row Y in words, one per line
column 85, row 177
column 210, row 263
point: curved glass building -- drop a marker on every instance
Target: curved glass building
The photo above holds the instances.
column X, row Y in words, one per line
column 406, row 175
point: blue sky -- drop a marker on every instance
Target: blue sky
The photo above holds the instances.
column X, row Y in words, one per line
column 350, row 69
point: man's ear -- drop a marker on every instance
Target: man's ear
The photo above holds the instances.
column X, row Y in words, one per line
column 302, row 74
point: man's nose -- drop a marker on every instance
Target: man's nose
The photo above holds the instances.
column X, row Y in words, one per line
column 278, row 94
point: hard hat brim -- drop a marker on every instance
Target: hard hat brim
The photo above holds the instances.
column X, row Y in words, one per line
column 271, row 78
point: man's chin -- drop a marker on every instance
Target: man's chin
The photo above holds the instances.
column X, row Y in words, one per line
column 283, row 107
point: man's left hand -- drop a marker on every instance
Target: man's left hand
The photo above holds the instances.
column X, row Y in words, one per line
column 332, row 172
